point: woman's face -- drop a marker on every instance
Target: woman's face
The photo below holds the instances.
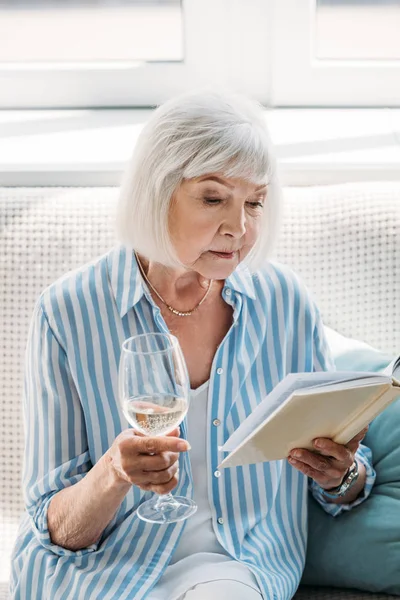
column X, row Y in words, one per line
column 214, row 222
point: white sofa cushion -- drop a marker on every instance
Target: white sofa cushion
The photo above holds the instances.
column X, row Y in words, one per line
column 344, row 241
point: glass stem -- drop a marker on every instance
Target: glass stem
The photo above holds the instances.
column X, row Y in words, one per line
column 163, row 501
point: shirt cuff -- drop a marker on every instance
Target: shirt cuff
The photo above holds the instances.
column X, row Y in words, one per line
column 40, row 528
column 363, row 456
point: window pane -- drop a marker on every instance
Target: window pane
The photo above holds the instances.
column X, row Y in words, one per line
column 358, row 29
column 90, row 30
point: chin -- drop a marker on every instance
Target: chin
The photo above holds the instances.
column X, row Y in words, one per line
column 214, row 268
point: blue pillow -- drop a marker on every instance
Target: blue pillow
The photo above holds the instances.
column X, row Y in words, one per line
column 361, row 548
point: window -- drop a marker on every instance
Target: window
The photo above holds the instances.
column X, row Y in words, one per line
column 125, row 53
column 116, row 53
column 95, row 30
column 357, row 30
column 336, row 53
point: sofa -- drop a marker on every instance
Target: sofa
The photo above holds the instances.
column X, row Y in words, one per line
column 343, row 240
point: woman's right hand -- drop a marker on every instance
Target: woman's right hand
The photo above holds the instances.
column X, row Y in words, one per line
column 150, row 463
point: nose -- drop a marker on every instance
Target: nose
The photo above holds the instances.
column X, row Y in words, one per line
column 234, row 224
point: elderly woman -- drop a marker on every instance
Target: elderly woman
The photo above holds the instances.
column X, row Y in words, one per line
column 197, row 217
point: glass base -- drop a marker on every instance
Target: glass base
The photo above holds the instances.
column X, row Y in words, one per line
column 166, row 509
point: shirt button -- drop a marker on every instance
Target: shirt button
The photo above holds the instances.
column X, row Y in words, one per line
column 220, row 520
column 220, row 371
column 228, row 292
column 216, row 422
column 217, row 473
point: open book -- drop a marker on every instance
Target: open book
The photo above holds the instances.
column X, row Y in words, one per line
column 304, row 406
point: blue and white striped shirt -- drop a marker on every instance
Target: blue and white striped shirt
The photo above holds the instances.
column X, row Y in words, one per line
column 72, row 416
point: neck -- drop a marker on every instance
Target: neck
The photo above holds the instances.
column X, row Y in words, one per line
column 181, row 288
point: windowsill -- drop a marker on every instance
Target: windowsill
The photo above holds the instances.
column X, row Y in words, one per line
column 92, row 147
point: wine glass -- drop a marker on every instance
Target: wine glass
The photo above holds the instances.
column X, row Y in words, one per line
column 154, row 391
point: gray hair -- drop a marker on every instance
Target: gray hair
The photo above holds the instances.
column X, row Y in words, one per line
column 189, row 136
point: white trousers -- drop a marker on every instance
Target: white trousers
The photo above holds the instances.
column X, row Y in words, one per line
column 222, row 589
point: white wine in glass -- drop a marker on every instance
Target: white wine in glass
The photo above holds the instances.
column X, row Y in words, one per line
column 148, row 417
column 154, row 391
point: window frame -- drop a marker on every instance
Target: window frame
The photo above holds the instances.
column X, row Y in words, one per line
column 298, row 79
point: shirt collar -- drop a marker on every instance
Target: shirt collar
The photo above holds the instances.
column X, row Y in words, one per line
column 125, row 278
column 241, row 281
column 127, row 283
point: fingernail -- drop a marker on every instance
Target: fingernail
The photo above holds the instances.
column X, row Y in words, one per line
column 184, row 446
column 319, row 443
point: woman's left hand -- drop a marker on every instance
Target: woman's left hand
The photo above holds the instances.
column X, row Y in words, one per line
column 330, row 463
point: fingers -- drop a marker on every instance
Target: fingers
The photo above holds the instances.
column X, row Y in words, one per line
column 316, row 462
column 353, row 447
column 156, row 445
column 165, row 488
column 152, row 454
column 357, row 439
column 327, row 447
column 326, row 472
column 147, row 471
column 329, row 462
column 338, row 451
column 148, row 462
column 160, row 482
column 158, row 477
column 158, row 462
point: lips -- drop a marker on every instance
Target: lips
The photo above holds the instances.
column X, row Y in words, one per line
column 226, row 255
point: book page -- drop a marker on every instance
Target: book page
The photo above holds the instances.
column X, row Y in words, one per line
column 393, row 368
column 282, row 392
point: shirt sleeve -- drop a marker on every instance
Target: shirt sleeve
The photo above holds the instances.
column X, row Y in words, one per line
column 323, row 361
column 56, row 451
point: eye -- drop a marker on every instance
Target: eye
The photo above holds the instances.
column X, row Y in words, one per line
column 212, row 201
column 256, row 204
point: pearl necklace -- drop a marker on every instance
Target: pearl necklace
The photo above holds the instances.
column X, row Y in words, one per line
column 173, row 310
